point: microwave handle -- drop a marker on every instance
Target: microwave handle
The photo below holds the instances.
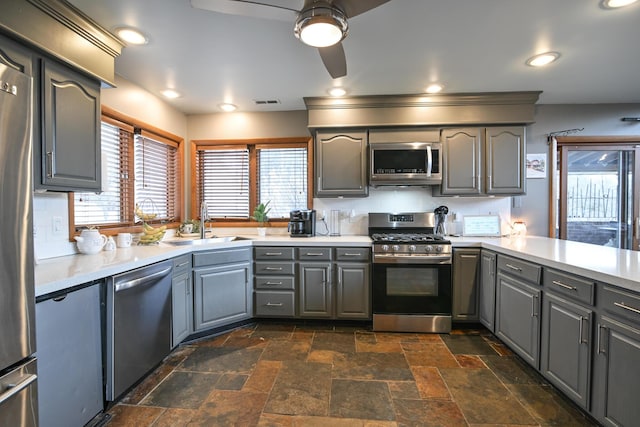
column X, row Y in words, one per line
column 429, row 160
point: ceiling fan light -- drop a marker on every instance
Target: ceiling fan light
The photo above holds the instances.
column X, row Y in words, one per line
column 321, row 26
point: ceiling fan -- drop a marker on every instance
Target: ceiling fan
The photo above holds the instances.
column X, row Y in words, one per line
column 318, row 23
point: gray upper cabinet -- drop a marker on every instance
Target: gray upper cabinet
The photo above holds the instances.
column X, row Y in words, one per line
column 15, row 56
column 466, row 269
column 341, row 163
column 68, row 157
column 483, row 161
column 487, row 294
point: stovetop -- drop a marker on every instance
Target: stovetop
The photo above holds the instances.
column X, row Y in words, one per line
column 409, row 238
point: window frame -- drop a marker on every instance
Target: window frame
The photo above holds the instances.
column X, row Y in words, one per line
column 253, row 145
column 114, row 117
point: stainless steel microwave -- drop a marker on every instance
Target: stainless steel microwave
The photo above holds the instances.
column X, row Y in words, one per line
column 405, row 163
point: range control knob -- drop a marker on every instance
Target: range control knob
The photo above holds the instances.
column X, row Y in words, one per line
column 439, row 248
column 412, row 248
column 428, row 249
column 385, row 248
column 395, row 248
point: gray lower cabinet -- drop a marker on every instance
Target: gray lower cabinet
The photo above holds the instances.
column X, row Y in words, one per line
column 617, row 359
column 315, row 297
column 69, row 351
column 341, row 163
column 181, row 300
column 518, row 307
column 487, row 294
column 353, row 300
column 566, row 347
column 222, row 287
column 466, row 272
column 274, row 282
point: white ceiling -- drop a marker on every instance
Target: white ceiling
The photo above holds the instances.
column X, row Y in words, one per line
column 397, row 48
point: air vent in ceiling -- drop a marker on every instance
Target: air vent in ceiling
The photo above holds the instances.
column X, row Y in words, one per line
column 266, row 101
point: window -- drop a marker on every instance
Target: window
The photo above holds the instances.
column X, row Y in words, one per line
column 139, row 167
column 232, row 177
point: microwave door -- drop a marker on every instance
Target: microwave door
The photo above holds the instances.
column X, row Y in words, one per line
column 429, row 160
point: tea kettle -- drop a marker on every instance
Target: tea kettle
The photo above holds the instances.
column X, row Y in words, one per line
column 90, row 241
column 441, row 220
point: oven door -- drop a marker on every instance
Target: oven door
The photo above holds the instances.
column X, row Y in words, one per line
column 412, row 289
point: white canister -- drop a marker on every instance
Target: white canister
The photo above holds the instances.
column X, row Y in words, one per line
column 123, row 240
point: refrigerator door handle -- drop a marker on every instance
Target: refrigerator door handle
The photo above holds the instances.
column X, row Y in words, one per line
column 15, row 388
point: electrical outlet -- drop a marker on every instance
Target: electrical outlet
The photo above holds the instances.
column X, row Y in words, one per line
column 57, row 225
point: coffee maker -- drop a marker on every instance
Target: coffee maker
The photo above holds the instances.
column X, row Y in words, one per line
column 302, row 223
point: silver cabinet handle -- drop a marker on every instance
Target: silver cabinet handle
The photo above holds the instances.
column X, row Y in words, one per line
column 273, row 283
column 49, row 164
column 274, row 304
column 513, row 267
column 581, row 332
column 562, row 285
column 273, row 253
column 13, row 389
column 626, row 307
column 350, row 254
column 600, row 339
column 314, row 254
column 534, row 306
column 182, row 264
column 273, row 268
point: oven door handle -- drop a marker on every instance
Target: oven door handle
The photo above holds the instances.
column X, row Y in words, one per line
column 411, row 259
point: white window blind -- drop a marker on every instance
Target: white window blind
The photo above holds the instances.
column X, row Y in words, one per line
column 223, row 176
column 282, row 179
column 156, row 183
column 107, row 207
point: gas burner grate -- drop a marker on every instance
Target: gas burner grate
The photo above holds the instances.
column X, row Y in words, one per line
column 405, row 237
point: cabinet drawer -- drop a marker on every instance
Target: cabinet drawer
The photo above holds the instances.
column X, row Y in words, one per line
column 275, row 282
column 352, row 254
column 277, row 304
column 224, row 256
column 314, row 254
column 275, row 268
column 620, row 303
column 519, row 268
column 575, row 287
column 181, row 264
column 272, row 253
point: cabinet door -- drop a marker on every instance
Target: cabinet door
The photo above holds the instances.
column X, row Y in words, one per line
column 353, row 299
column 505, row 160
column 517, row 317
column 487, row 297
column 222, row 295
column 182, row 307
column 566, row 347
column 315, row 290
column 15, row 56
column 341, row 164
column 462, row 162
column 466, row 263
column 70, row 157
column 69, row 342
column 617, row 367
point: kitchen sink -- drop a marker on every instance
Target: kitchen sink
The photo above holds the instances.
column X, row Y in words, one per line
column 205, row 241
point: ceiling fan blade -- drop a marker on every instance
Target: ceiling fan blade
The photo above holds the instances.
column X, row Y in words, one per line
column 280, row 10
column 334, row 60
column 353, row 8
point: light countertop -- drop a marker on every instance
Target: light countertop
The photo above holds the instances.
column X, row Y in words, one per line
column 609, row 265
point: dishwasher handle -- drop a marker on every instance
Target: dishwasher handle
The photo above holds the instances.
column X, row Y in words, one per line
column 121, row 286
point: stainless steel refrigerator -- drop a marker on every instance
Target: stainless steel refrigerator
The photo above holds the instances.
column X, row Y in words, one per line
column 18, row 389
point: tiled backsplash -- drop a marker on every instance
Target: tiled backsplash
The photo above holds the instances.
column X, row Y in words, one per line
column 51, row 226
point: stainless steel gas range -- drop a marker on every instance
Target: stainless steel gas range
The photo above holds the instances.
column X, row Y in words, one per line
column 411, row 283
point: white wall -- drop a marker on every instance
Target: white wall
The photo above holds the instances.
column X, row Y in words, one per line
column 596, row 119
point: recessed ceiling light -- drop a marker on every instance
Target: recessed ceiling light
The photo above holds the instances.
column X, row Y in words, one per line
column 543, row 59
column 131, row 35
column 170, row 93
column 228, row 107
column 434, row 88
column 337, row 91
column 613, row 4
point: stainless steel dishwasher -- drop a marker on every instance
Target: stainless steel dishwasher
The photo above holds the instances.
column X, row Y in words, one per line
column 138, row 324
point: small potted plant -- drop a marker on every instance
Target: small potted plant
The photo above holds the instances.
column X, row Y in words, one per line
column 260, row 216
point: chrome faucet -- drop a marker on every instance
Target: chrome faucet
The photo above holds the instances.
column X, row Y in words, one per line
column 204, row 216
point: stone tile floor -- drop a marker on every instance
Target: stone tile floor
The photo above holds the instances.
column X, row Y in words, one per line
column 274, row 374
